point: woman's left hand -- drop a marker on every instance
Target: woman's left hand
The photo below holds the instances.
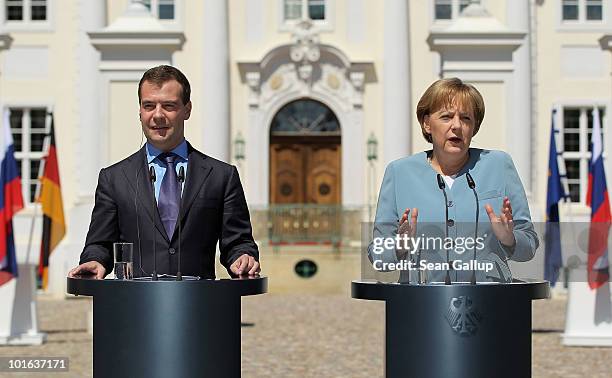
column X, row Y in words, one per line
column 503, row 225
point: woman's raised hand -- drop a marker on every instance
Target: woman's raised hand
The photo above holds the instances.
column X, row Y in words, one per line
column 502, row 225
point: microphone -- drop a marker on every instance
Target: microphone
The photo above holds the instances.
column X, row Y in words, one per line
column 442, row 186
column 433, row 231
column 181, row 180
column 153, row 178
column 138, row 222
column 472, row 186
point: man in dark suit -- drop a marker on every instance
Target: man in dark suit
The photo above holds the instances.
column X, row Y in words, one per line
column 204, row 194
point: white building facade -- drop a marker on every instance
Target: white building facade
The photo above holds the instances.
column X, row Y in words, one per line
column 291, row 91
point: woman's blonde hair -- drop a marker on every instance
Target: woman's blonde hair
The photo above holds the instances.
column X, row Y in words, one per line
column 445, row 93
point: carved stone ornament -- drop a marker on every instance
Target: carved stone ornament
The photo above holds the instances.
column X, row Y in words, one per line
column 253, row 80
column 333, row 82
column 276, row 82
column 304, row 67
column 305, row 48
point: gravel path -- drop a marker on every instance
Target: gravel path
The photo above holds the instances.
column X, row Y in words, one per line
column 312, row 336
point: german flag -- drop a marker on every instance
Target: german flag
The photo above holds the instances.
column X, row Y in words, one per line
column 54, row 226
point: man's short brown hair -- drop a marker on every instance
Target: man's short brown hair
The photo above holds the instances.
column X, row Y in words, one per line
column 445, row 93
column 162, row 74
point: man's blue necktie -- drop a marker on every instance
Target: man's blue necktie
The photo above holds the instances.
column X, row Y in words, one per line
column 169, row 194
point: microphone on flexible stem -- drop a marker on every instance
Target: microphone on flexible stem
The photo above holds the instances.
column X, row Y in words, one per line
column 472, row 186
column 419, row 271
column 138, row 221
column 152, row 177
column 181, row 179
column 442, row 186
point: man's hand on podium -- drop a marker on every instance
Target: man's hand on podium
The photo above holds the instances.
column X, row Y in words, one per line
column 92, row 268
column 245, row 264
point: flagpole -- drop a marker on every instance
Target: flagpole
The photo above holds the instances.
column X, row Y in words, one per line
column 26, row 279
column 41, row 168
column 34, row 214
column 567, row 201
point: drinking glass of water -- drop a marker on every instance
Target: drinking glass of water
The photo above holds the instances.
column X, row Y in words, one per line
column 123, row 260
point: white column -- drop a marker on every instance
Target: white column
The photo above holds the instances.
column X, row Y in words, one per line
column 521, row 130
column 256, row 179
column 89, row 154
column 91, row 18
column 353, row 169
column 606, row 44
column 215, row 81
column 396, row 75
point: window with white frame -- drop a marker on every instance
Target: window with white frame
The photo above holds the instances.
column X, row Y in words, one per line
column 449, row 9
column 161, row 9
column 297, row 10
column 573, row 11
column 576, row 141
column 25, row 10
column 29, row 126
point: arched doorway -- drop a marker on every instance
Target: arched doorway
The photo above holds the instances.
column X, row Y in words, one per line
column 305, row 174
column 305, row 155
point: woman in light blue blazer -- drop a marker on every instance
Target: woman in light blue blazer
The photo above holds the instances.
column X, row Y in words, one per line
column 411, row 201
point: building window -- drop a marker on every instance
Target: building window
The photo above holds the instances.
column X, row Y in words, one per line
column 582, row 10
column 449, row 9
column 14, row 10
column 576, row 141
column 25, row 10
column 594, row 10
column 570, row 10
column 161, row 9
column 29, row 127
column 305, row 117
column 296, row 10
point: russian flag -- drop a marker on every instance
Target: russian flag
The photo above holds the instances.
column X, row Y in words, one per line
column 11, row 201
column 597, row 199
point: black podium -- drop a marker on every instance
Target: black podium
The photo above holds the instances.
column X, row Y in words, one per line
column 458, row 330
column 167, row 328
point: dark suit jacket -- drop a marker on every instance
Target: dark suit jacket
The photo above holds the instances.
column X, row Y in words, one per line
column 213, row 210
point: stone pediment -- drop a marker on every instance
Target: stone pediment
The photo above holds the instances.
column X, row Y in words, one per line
column 476, row 42
column 306, row 66
column 606, row 42
column 135, row 40
column 475, row 27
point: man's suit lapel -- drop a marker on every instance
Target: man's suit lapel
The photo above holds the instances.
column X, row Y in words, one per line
column 138, row 169
column 197, row 173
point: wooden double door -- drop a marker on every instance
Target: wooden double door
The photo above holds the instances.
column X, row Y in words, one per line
column 305, row 170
